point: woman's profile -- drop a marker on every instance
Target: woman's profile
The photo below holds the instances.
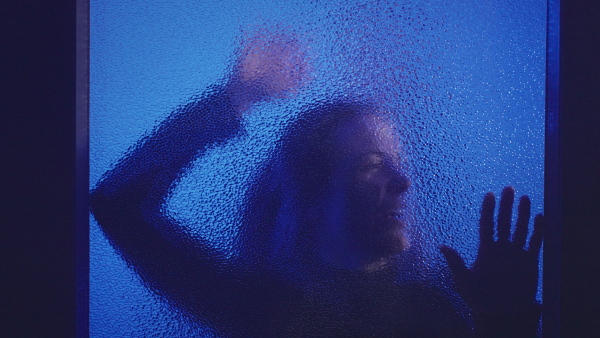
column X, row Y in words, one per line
column 324, row 228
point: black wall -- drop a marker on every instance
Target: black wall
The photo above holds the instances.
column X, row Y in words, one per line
column 37, row 140
column 580, row 149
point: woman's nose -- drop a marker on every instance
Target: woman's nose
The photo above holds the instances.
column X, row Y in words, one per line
column 398, row 184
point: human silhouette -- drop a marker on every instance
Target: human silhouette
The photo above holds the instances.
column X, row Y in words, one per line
column 324, row 228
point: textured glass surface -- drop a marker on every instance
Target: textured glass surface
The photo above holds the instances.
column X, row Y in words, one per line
column 453, row 91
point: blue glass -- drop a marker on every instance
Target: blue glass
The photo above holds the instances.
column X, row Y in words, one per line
column 463, row 85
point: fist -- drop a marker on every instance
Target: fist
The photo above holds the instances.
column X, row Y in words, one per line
column 272, row 64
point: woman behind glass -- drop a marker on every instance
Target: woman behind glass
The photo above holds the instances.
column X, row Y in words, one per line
column 324, row 229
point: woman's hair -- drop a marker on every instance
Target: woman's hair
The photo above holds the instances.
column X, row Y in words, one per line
column 293, row 180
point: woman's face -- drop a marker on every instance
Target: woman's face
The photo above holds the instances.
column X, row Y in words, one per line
column 366, row 204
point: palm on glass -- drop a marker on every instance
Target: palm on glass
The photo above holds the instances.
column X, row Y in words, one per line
column 503, row 279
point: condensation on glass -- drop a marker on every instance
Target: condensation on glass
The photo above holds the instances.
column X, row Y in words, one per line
column 242, row 142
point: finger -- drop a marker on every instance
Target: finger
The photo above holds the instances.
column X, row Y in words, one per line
column 520, row 235
column 486, row 222
column 538, row 233
column 455, row 262
column 505, row 213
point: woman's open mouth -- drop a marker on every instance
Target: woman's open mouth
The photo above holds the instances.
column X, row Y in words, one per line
column 395, row 214
column 390, row 219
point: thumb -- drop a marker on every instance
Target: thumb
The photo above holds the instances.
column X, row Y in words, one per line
column 455, row 262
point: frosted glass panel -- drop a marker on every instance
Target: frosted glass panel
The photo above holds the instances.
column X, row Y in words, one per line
column 292, row 168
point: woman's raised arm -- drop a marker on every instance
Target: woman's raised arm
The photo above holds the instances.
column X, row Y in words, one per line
column 128, row 202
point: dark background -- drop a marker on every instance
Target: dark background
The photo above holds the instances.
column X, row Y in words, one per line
column 580, row 178
column 38, row 175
